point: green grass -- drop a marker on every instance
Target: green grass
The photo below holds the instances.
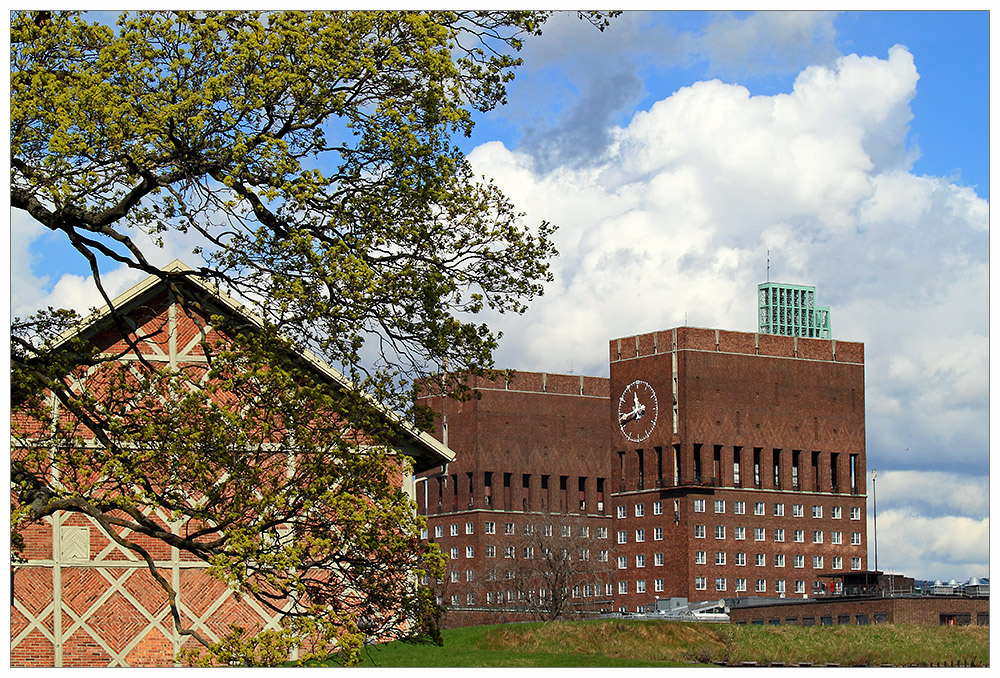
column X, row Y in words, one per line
column 631, row 643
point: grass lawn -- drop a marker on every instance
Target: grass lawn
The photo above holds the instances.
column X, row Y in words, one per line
column 633, row 643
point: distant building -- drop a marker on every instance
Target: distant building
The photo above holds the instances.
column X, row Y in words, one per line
column 791, row 310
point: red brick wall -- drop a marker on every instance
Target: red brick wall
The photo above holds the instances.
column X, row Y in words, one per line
column 919, row 610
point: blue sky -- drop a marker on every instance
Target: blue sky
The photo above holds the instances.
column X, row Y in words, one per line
column 677, row 149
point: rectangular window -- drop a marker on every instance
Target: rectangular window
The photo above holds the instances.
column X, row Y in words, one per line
column 640, row 535
column 658, row 585
column 817, row 536
column 469, row 575
column 508, row 528
column 622, row 562
column 585, row 532
column 779, row 585
column 453, row 529
column 657, row 508
column 699, row 558
column 640, row 560
column 855, row 513
column 817, row 511
column 508, row 551
column 720, row 557
column 454, row 553
column 657, row 534
column 602, row 556
column 779, row 560
column 758, row 508
column 720, row 531
column 761, row 586
column 739, row 533
column 817, row 562
column 640, row 586
column 423, row 533
column 490, row 528
column 835, row 512
column 699, row 505
column 566, row 531
column 640, row 510
column 800, row 586
column 658, row 559
column 453, row 577
column 779, row 534
column 720, row 506
column 720, row 583
column 838, row 563
column 836, row 537
column 799, row 536
column 468, row 527
column 622, row 538
column 602, row 533
column 739, row 507
column 622, row 587
column 759, row 559
column 741, row 559
column 855, row 539
column 797, row 511
column 529, row 552
column 799, row 561
column 855, row 563
column 699, row 531
column 758, row 534
column 470, row 551
column 529, row 528
column 438, row 531
column 491, row 551
column 741, row 584
column 609, row 589
column 547, row 530
column 700, row 583
column 622, row 511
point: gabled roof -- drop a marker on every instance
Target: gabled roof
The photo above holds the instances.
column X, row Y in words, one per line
column 426, row 450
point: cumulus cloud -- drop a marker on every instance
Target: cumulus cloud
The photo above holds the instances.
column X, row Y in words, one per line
column 943, row 547
column 674, row 223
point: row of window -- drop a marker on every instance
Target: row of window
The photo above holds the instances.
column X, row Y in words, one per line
column 759, row 534
column 760, row 585
column 777, row 560
column 527, row 552
column 490, row 527
column 760, row 509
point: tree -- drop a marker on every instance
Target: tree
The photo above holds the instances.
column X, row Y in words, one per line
column 306, row 158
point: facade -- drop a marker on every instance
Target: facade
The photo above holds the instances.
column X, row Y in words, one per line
column 730, row 464
column 791, row 310
column 81, row 599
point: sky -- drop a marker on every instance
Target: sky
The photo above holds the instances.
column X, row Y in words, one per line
column 679, row 151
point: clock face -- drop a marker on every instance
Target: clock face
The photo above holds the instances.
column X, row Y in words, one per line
column 637, row 411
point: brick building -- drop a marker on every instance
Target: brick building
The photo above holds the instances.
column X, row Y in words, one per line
column 711, row 464
column 80, row 598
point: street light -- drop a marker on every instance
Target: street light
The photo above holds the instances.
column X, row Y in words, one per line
column 875, row 517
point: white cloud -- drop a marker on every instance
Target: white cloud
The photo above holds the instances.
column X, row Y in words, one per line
column 675, row 221
column 945, row 547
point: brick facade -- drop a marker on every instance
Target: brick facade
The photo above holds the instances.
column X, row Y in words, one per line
column 751, row 480
column 927, row 610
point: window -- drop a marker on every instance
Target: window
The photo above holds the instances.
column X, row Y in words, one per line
column 454, row 577
column 438, row 531
column 640, row 510
column 799, row 561
column 490, row 527
column 622, row 537
column 799, row 536
column 622, row 587
column 609, row 589
column 855, row 513
column 779, row 560
column 758, row 534
column 855, row 539
column 622, row 512
column 739, row 507
column 700, row 583
column 779, row 585
column 739, row 533
column 657, row 508
column 602, row 533
column 699, row 558
column 720, row 557
column 741, row 559
column 797, row 511
column 454, row 599
column 640, row 535
column 640, row 560
column 622, row 562
column 779, row 534
column 454, row 553
column 838, row 563
column 741, row 584
column 720, row 583
column 585, row 531
column 657, row 534
column 547, row 530
column 835, row 512
column 800, row 586
column 508, row 551
column 529, row 552
column 468, row 527
column 779, row 509
column 566, row 531
column 529, row 528
column 758, row 508
column 761, row 586
column 699, row 505
column 817, row 536
column 658, row 559
column 836, row 537
column 759, row 559
column 508, row 528
column 491, row 551
column 855, row 563
column 720, row 531
column 658, row 585
column 817, row 511
column 469, row 574
column 817, row 562
column 720, row 505
column 423, row 533
column 699, row 531
column 453, row 529
column 470, row 551
column 602, row 556
column 640, row 586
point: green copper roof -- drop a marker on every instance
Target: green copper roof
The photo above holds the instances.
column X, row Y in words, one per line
column 791, row 310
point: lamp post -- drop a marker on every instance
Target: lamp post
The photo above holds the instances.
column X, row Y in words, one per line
column 875, row 517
